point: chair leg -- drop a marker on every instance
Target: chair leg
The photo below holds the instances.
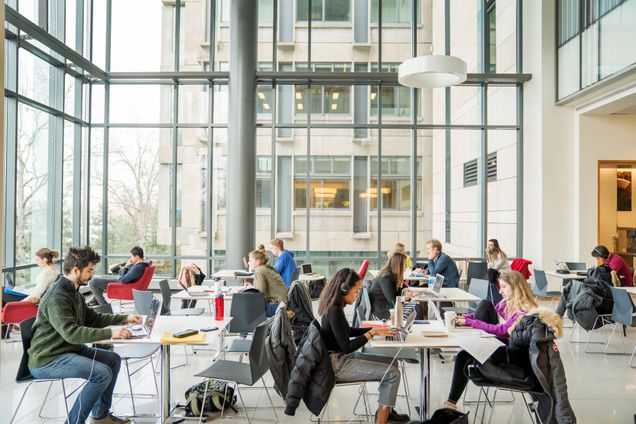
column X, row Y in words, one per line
column 243, row 404
column 20, row 403
column 46, row 396
column 154, row 376
column 270, row 399
column 132, row 395
column 632, row 358
column 205, row 394
column 405, row 382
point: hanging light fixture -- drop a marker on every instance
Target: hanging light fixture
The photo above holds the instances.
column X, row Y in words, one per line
column 432, row 71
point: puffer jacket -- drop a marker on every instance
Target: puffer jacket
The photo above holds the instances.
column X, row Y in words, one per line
column 300, row 304
column 537, row 332
column 584, row 301
column 281, row 350
column 312, row 377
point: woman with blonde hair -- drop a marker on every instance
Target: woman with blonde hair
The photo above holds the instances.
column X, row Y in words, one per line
column 400, row 248
column 388, row 285
column 517, row 300
column 261, row 248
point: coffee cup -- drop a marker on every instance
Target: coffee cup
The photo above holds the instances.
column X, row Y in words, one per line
column 392, row 315
column 449, row 319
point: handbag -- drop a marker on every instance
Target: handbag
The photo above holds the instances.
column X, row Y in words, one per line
column 448, row 416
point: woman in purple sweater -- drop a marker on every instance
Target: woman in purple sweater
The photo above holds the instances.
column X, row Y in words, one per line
column 498, row 319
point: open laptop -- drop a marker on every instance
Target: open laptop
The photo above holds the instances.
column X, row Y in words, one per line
column 149, row 322
column 246, row 263
column 579, row 268
column 437, row 287
column 306, row 269
column 400, row 336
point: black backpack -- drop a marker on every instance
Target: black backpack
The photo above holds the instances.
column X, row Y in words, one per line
column 448, row 416
column 220, row 396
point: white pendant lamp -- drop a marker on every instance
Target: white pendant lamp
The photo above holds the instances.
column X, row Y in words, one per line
column 432, row 71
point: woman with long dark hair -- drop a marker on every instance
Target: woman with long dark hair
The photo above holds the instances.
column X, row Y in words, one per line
column 344, row 341
column 388, row 285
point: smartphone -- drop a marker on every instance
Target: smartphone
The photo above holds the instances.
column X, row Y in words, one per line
column 206, row 329
column 185, row 333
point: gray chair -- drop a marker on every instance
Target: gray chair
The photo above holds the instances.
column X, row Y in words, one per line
column 142, row 299
column 540, row 287
column 166, row 295
column 247, row 312
column 239, row 373
column 621, row 316
column 24, row 374
column 478, row 287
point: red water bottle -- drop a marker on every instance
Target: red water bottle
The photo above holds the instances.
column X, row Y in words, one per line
column 219, row 307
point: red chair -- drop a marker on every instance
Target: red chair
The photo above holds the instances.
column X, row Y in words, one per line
column 124, row 291
column 363, row 269
column 16, row 312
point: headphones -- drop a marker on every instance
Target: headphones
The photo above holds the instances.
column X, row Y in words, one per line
column 344, row 287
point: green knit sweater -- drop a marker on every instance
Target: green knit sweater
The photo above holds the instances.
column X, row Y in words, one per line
column 64, row 323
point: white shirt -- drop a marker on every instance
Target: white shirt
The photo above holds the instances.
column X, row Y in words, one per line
column 44, row 280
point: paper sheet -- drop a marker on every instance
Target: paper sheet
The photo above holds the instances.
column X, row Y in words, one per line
column 480, row 348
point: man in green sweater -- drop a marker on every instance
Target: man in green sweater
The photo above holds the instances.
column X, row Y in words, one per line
column 63, row 324
column 267, row 281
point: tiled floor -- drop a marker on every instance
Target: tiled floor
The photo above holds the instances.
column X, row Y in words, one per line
column 602, row 389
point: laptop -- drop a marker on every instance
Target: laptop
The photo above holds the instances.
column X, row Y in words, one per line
column 149, row 322
column 246, row 263
column 579, row 268
column 437, row 287
column 306, row 269
column 400, row 336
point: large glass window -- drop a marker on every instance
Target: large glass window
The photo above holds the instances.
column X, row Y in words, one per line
column 329, row 182
column 396, row 100
column 324, row 10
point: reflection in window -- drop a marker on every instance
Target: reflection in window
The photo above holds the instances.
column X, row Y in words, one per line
column 329, row 182
column 393, row 11
column 323, row 99
column 324, row 10
column 395, row 186
column 396, row 100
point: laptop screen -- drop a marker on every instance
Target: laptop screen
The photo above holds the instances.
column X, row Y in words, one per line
column 439, row 282
column 576, row 266
column 149, row 322
column 306, row 269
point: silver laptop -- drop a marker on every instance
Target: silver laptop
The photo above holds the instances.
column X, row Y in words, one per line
column 306, row 269
column 576, row 266
column 437, row 287
column 149, row 322
column 400, row 336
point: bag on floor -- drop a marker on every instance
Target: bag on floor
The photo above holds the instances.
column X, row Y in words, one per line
column 448, row 416
column 220, row 396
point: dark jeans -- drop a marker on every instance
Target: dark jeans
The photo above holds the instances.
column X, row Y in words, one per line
column 99, row 284
column 97, row 395
column 270, row 309
column 485, row 312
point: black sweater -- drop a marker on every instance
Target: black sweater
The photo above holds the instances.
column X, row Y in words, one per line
column 337, row 333
column 382, row 294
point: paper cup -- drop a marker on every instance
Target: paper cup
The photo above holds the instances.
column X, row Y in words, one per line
column 392, row 315
column 449, row 318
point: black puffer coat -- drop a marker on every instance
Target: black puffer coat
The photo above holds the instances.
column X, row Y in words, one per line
column 312, row 377
column 281, row 350
column 300, row 304
column 584, row 301
column 537, row 332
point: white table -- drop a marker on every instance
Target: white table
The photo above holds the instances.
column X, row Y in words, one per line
column 449, row 294
column 229, row 274
column 416, row 340
column 170, row 324
column 568, row 276
column 310, row 277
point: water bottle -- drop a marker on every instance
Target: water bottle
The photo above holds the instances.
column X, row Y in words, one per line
column 398, row 315
column 219, row 307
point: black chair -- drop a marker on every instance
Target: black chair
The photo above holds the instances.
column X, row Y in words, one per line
column 166, row 295
column 24, row 374
column 238, row 373
column 247, row 312
column 476, row 270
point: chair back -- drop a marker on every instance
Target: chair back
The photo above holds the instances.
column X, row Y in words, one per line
column 361, row 314
column 540, row 286
column 366, row 299
column 296, row 274
column 362, row 271
column 476, row 270
column 16, row 312
column 166, row 296
column 247, row 312
column 24, row 374
column 142, row 299
column 259, row 360
column 480, row 288
column 623, row 307
column 123, row 291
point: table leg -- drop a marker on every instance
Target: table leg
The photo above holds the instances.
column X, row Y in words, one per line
column 422, row 386
column 165, row 383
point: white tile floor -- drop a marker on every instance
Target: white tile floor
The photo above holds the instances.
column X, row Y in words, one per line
column 602, row 389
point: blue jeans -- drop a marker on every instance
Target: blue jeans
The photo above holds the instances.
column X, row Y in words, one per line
column 270, row 309
column 357, row 366
column 97, row 395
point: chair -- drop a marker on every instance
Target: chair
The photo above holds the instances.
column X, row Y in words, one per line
column 247, row 312
column 296, row 274
column 622, row 314
column 242, row 373
column 166, row 295
column 540, row 288
column 16, row 312
column 139, row 352
column 123, row 291
column 362, row 271
column 478, row 287
column 24, row 374
column 476, row 270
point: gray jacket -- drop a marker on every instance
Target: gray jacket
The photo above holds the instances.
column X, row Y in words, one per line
column 537, row 332
column 584, row 301
column 281, row 350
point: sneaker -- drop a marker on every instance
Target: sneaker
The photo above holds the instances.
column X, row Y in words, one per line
column 109, row 419
column 395, row 417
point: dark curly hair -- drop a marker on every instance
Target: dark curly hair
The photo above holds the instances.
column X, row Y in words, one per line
column 331, row 294
column 79, row 257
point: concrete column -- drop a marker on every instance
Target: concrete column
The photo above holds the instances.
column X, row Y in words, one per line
column 241, row 164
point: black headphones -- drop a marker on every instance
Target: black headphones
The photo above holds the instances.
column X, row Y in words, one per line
column 344, row 287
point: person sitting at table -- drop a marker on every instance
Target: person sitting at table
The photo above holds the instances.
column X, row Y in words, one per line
column 400, row 248
column 440, row 263
column 267, row 281
column 387, row 286
column 285, row 264
column 348, row 364
column 517, row 300
column 131, row 272
column 615, row 262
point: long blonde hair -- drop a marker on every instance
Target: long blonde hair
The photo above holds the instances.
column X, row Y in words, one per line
column 396, row 265
column 522, row 297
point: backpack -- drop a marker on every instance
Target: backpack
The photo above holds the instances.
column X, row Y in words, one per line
column 448, row 416
column 220, row 396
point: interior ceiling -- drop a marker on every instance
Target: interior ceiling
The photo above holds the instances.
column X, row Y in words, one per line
column 630, row 110
column 625, row 105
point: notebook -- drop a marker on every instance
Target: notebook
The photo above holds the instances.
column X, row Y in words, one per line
column 195, row 338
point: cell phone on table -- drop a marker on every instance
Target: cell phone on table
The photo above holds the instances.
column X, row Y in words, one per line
column 185, row 333
column 206, row 329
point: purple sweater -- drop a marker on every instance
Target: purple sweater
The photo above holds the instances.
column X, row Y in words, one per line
column 499, row 330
